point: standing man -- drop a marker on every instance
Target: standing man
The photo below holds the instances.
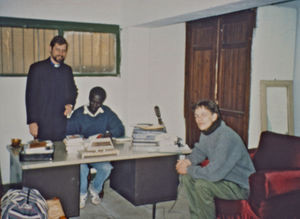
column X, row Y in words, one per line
column 50, row 94
column 226, row 175
column 89, row 120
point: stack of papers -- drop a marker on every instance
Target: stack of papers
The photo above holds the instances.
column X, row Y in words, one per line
column 164, row 149
column 74, row 143
column 146, row 134
column 42, row 147
column 74, row 139
column 122, row 140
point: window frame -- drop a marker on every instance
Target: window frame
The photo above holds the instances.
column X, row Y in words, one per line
column 62, row 26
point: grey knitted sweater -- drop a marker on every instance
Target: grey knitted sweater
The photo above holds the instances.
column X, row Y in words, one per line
column 227, row 155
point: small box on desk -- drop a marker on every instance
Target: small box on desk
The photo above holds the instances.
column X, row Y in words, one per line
column 37, row 151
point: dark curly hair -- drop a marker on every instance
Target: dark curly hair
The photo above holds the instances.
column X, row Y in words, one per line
column 60, row 40
column 98, row 91
column 209, row 105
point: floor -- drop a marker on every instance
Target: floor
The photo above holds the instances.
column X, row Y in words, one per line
column 114, row 206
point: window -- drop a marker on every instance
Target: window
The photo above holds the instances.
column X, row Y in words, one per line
column 91, row 52
column 94, row 49
column 20, row 47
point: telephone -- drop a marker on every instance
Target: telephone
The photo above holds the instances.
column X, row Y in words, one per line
column 166, row 138
column 158, row 115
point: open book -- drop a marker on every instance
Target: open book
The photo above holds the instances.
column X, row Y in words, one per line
column 99, row 144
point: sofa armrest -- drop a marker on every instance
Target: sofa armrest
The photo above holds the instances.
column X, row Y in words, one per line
column 267, row 184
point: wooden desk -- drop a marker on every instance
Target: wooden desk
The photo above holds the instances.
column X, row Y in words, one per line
column 141, row 177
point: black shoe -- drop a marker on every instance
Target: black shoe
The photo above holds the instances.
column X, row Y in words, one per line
column 101, row 194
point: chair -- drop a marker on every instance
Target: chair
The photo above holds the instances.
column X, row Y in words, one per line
column 275, row 187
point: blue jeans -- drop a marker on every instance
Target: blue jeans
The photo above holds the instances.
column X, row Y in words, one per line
column 103, row 171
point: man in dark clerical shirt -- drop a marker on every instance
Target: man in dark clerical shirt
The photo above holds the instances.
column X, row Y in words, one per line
column 50, row 94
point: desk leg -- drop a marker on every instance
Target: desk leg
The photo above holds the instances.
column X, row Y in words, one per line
column 15, row 170
column 154, row 211
column 62, row 182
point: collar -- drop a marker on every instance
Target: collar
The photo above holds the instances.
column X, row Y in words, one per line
column 53, row 64
column 213, row 127
column 87, row 112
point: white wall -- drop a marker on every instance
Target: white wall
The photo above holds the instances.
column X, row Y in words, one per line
column 167, row 67
column 125, row 12
column 98, row 11
column 141, row 11
column 154, row 75
column 157, row 12
column 273, row 49
column 297, row 77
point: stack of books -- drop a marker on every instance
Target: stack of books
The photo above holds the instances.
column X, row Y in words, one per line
column 146, row 134
column 74, row 143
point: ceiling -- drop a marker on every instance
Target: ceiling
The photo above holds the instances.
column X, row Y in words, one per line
column 224, row 9
column 292, row 4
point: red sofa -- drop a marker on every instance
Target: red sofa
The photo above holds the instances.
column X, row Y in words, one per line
column 275, row 187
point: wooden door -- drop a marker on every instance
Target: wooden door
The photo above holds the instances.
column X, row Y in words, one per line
column 200, row 71
column 233, row 87
column 218, row 58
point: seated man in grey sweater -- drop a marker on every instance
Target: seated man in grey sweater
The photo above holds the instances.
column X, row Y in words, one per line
column 226, row 175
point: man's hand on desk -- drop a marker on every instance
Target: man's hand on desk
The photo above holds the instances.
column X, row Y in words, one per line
column 107, row 135
column 182, row 165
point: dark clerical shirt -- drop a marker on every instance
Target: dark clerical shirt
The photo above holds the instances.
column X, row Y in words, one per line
column 48, row 90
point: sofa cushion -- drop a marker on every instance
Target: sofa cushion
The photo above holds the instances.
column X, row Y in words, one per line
column 277, row 151
column 279, row 207
column 268, row 184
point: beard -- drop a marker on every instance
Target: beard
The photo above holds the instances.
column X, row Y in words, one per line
column 59, row 59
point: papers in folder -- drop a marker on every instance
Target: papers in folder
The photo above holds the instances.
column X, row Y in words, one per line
column 93, row 146
column 98, row 146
